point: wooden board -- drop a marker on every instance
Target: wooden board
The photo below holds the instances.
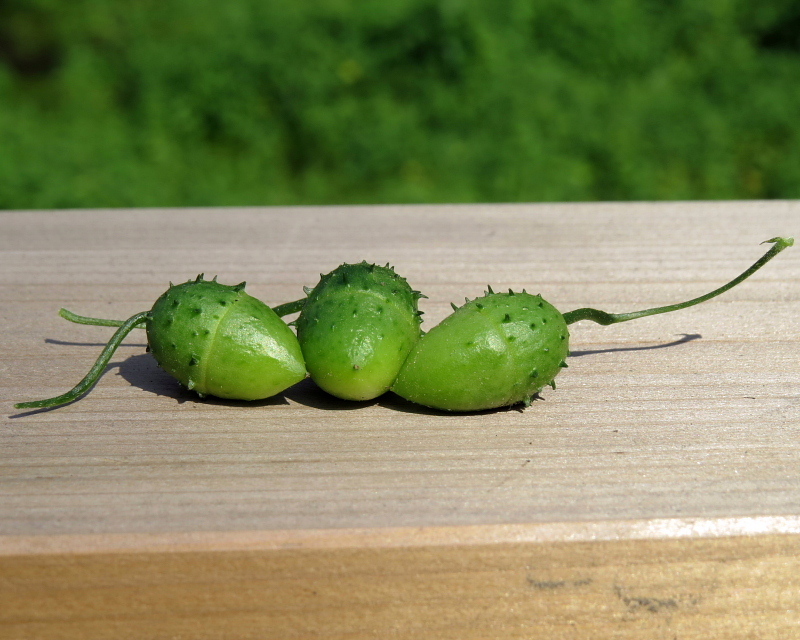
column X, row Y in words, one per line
column 664, row 469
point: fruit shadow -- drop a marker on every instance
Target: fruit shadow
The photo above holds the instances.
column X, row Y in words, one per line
column 394, row 402
column 309, row 394
column 142, row 371
column 139, row 370
column 687, row 337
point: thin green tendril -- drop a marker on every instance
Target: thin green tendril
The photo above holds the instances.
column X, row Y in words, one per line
column 289, row 307
column 605, row 318
column 281, row 310
column 99, row 322
column 94, row 373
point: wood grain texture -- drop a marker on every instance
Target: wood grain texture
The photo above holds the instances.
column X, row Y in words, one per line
column 692, row 416
column 730, row 587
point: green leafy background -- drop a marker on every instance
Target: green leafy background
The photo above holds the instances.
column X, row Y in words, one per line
column 245, row 102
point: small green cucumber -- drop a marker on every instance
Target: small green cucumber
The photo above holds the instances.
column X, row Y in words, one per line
column 356, row 328
column 218, row 340
column 494, row 351
column 214, row 339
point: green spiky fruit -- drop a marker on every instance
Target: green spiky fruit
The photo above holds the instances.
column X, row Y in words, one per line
column 356, row 329
column 218, row 340
column 494, row 351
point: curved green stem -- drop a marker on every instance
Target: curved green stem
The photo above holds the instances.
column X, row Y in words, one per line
column 100, row 322
column 281, row 310
column 94, row 373
column 605, row 318
column 289, row 307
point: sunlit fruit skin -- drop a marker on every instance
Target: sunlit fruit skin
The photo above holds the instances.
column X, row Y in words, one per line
column 495, row 351
column 218, row 340
column 356, row 328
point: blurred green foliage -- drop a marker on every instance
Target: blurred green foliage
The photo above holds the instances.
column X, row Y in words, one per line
column 248, row 102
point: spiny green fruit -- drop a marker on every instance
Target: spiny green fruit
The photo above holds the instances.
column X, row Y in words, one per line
column 494, row 351
column 213, row 338
column 501, row 349
column 218, row 340
column 356, row 329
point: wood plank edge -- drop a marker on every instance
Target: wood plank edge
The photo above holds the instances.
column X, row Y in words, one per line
column 397, row 537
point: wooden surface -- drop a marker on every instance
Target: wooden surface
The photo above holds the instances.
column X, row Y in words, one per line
column 655, row 493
